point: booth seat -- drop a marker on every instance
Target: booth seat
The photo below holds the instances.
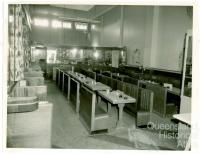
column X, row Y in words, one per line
column 131, row 90
column 28, row 91
column 88, row 73
column 30, row 129
column 144, row 102
column 33, row 74
column 131, row 80
column 144, row 107
column 34, row 81
column 160, row 105
column 92, row 115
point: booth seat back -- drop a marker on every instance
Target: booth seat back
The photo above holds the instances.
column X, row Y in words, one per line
column 120, row 85
column 57, row 76
column 106, row 80
column 34, row 81
column 91, row 74
column 114, row 84
column 27, row 91
column 33, row 74
column 146, row 100
column 93, row 115
column 86, row 105
column 145, row 107
column 107, row 73
column 98, row 78
column 160, row 96
column 131, row 90
column 131, row 80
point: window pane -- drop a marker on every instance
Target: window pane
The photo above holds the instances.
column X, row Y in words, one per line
column 81, row 26
column 67, row 25
column 56, row 24
column 41, row 22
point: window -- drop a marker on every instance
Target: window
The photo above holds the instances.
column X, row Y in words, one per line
column 81, row 26
column 67, row 25
column 93, row 26
column 56, row 24
column 41, row 22
column 51, row 55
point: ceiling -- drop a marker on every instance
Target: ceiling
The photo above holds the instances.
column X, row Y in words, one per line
column 75, row 7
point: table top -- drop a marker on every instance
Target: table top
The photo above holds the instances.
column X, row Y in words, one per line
column 80, row 77
column 117, row 97
column 175, row 91
column 119, row 75
column 96, row 85
column 183, row 117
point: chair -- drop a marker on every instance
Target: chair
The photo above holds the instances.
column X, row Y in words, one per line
column 92, row 116
column 145, row 106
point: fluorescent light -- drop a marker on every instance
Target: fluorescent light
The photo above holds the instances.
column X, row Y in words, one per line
column 81, row 26
column 74, row 51
column 41, row 22
column 56, row 24
column 67, row 25
column 96, row 54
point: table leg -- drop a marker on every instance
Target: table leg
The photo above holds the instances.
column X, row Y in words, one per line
column 99, row 99
column 63, row 82
column 108, row 108
column 78, row 98
column 120, row 118
column 188, row 145
column 68, row 92
column 58, row 78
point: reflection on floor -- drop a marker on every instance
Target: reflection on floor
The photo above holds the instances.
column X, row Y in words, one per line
column 68, row 132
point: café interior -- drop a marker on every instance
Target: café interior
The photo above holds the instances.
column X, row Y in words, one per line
column 99, row 76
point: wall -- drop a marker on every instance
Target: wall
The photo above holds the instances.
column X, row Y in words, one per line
column 157, row 33
column 110, row 32
column 134, row 33
column 173, row 24
column 19, row 43
column 50, row 36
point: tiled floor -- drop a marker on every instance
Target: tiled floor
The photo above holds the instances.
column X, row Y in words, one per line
column 69, row 132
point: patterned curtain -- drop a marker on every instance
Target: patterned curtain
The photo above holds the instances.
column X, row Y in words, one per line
column 19, row 43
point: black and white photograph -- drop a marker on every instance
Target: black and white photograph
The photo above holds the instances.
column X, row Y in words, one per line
column 99, row 76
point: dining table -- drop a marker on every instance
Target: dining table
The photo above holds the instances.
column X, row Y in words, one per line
column 118, row 98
